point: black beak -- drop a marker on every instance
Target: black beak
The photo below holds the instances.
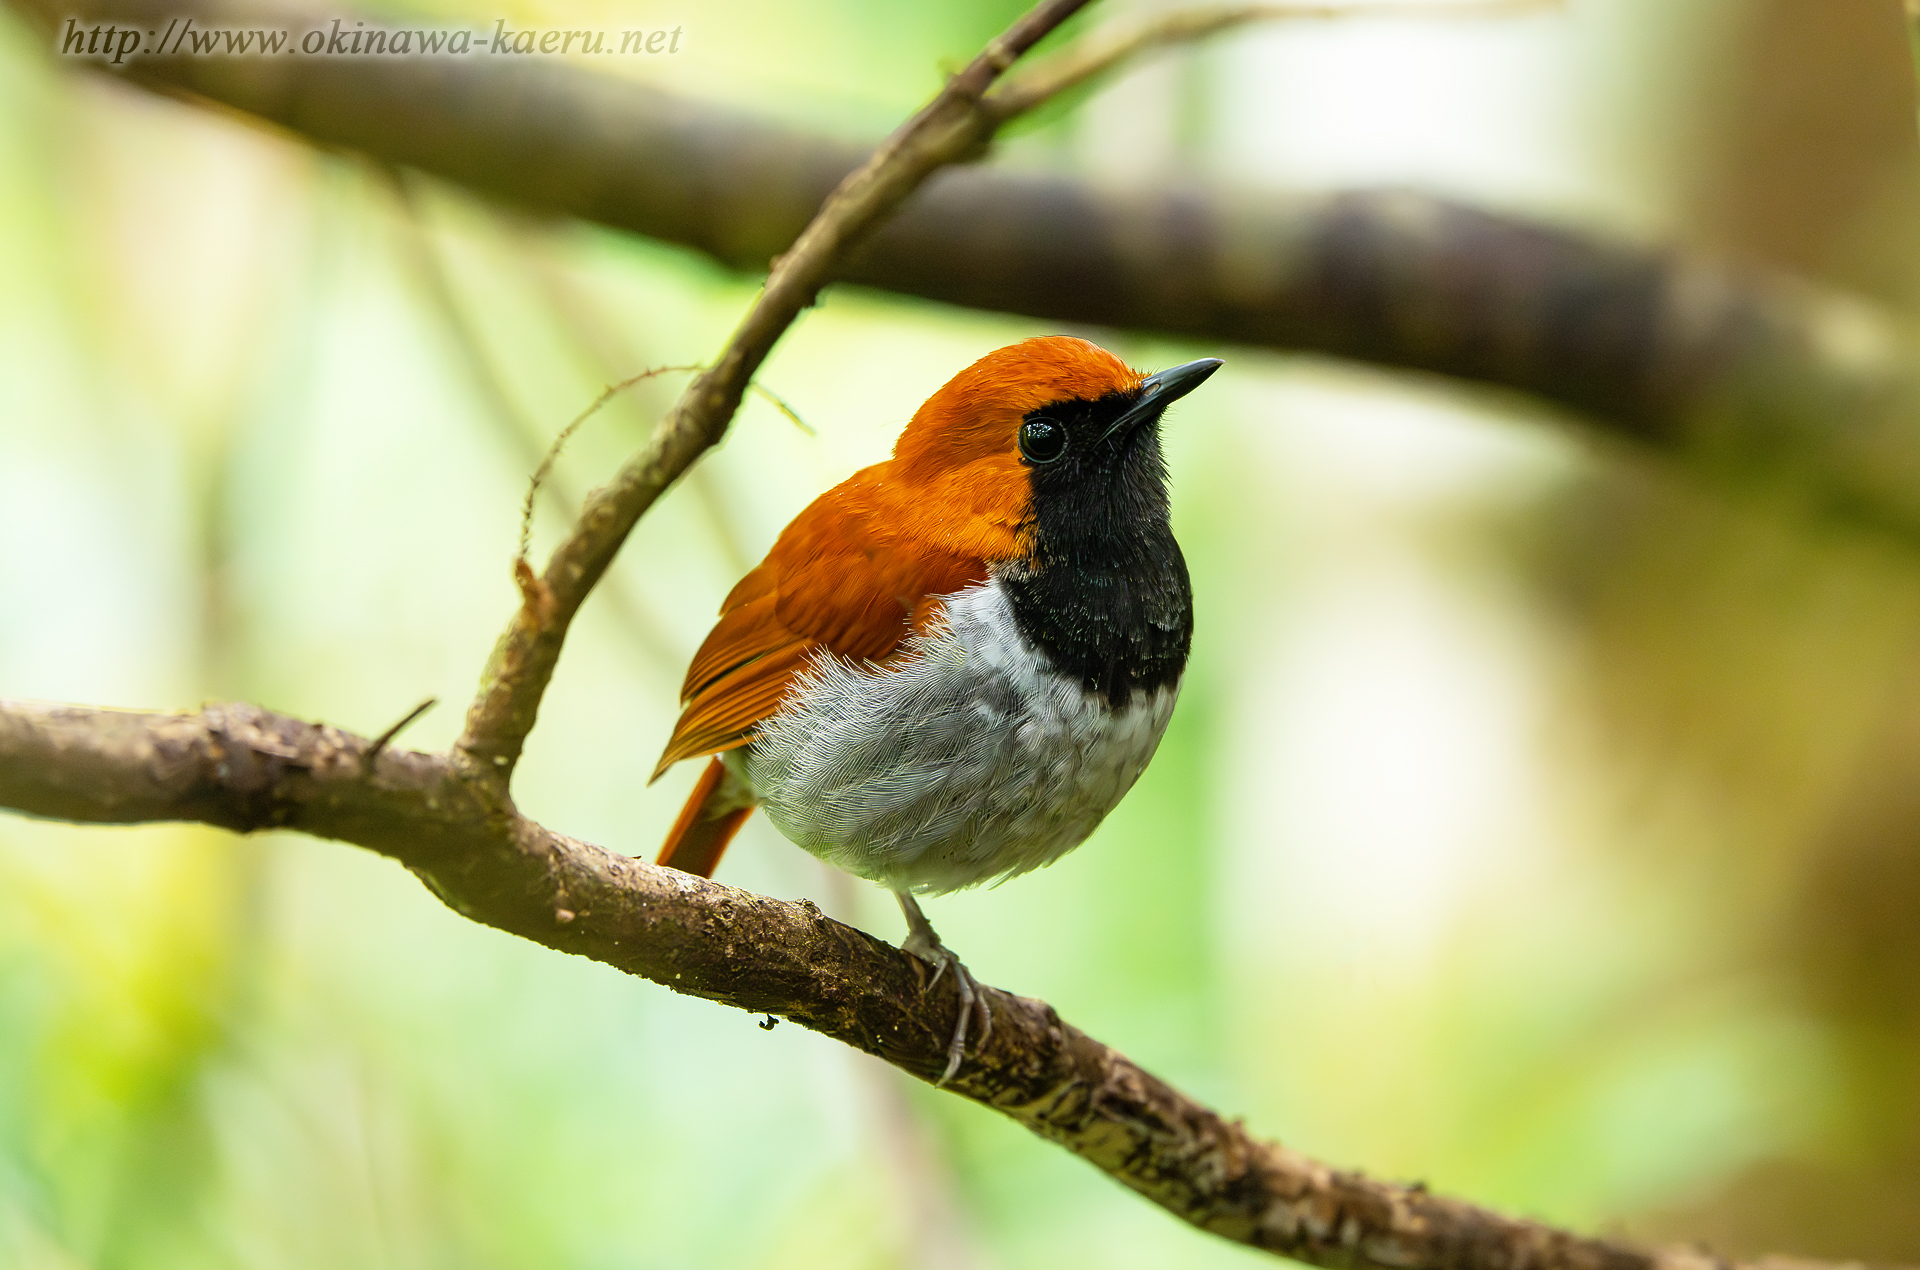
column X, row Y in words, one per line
column 1160, row 390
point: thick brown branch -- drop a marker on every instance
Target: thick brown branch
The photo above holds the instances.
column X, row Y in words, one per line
column 244, row 769
column 948, row 129
column 1735, row 370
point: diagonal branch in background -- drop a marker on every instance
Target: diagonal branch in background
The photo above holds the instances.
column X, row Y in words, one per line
column 242, row 768
column 951, row 127
column 1737, row 371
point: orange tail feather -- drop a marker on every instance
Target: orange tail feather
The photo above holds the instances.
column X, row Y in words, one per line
column 719, row 805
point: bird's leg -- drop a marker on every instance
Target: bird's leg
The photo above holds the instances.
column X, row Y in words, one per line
column 924, row 944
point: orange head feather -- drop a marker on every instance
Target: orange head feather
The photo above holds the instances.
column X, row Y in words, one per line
column 976, row 416
column 957, row 466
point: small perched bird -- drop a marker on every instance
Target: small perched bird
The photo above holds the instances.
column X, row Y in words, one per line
column 953, row 664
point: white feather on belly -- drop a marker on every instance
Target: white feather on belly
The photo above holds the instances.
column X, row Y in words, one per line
column 965, row 760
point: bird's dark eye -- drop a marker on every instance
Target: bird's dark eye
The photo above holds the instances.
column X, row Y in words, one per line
column 1042, row 440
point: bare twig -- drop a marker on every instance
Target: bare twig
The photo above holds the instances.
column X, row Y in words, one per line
column 595, row 331
column 779, row 403
column 552, row 456
column 951, row 127
column 244, row 769
column 1122, row 41
column 371, row 754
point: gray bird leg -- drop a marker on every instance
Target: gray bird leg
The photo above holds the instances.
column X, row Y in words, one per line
column 925, row 944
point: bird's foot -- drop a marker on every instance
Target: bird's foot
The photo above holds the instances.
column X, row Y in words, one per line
column 925, row 945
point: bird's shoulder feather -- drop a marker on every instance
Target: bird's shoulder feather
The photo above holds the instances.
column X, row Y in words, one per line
column 843, row 578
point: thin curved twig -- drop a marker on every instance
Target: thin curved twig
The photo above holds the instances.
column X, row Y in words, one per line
column 559, row 443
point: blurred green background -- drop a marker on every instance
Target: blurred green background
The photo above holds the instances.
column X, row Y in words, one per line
column 1534, row 823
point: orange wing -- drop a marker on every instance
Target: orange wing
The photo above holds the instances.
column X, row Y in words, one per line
column 833, row 581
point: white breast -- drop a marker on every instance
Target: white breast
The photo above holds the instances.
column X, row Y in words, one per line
column 967, row 759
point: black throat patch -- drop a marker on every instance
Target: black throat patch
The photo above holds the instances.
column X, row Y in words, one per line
column 1105, row 595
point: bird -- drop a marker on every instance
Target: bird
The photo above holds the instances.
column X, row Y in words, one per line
column 952, row 665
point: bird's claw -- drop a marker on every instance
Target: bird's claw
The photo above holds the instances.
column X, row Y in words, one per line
column 925, row 946
column 973, row 1004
